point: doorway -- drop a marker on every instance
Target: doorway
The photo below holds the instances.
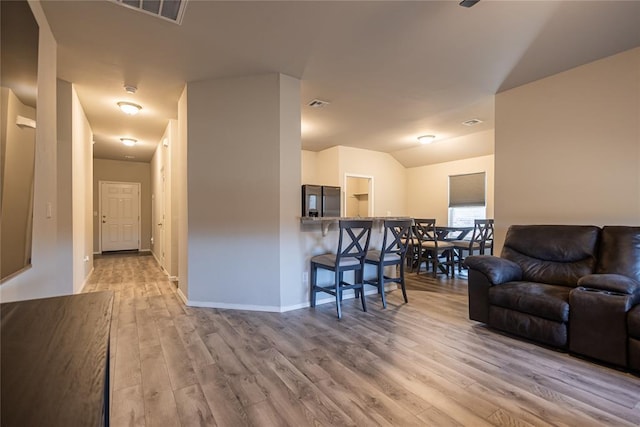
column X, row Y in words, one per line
column 119, row 216
column 358, row 194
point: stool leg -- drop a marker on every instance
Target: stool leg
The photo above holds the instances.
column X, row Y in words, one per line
column 314, row 274
column 338, row 289
column 381, row 285
column 402, row 285
column 359, row 277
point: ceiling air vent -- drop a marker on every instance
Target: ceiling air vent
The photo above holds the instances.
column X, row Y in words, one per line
column 317, row 103
column 472, row 122
column 171, row 10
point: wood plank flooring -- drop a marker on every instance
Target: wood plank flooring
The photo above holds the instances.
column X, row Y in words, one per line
column 417, row 364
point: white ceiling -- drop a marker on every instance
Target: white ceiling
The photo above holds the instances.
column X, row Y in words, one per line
column 391, row 70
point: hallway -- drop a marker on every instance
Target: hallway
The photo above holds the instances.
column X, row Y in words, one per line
column 422, row 363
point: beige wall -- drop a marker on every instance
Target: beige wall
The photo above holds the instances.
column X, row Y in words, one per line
column 428, row 187
column 40, row 280
column 389, row 178
column 244, row 192
column 568, row 147
column 333, row 164
column 309, row 161
column 122, row 171
column 18, row 146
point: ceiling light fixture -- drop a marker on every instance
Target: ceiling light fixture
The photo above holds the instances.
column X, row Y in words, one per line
column 317, row 103
column 426, row 139
column 129, row 142
column 129, row 108
column 472, row 122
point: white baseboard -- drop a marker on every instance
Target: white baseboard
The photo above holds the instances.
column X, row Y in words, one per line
column 182, row 297
column 267, row 308
column 86, row 280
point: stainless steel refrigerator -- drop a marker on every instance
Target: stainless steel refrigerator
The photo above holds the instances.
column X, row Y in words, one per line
column 320, row 201
column 330, row 201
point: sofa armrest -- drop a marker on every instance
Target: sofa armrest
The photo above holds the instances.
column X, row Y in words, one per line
column 610, row 282
column 498, row 270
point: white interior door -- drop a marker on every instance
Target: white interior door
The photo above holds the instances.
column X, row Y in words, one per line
column 120, row 216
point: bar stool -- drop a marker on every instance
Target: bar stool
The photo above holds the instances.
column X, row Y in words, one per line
column 397, row 234
column 432, row 249
column 353, row 243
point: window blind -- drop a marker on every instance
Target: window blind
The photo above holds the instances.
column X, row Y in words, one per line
column 467, row 190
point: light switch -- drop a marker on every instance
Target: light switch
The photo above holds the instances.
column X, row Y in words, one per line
column 49, row 210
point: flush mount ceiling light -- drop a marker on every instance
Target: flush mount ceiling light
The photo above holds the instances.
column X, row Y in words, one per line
column 129, row 108
column 426, row 139
column 472, row 122
column 317, row 103
column 129, row 142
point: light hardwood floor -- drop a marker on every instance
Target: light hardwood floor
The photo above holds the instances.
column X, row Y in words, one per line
column 417, row 364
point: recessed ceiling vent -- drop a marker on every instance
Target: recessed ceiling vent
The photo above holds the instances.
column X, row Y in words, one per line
column 170, row 10
column 472, row 122
column 318, row 103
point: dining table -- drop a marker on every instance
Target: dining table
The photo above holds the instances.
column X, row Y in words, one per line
column 448, row 233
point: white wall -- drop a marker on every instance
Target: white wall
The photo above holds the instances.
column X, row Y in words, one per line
column 244, row 191
column 163, row 202
column 179, row 189
column 568, row 147
column 75, row 192
column 40, row 281
column 428, row 187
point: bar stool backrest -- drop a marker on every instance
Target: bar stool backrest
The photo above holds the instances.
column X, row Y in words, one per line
column 353, row 241
column 397, row 236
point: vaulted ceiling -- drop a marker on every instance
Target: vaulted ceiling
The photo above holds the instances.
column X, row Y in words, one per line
column 391, row 70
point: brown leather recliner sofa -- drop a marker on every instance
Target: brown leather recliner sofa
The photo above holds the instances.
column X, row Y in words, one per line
column 572, row 287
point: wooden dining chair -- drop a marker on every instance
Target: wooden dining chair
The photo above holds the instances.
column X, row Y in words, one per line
column 353, row 243
column 438, row 253
column 481, row 240
column 397, row 234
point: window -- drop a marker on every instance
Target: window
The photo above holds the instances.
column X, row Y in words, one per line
column 464, row 216
column 466, row 199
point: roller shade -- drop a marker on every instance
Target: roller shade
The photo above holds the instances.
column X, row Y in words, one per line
column 467, row 190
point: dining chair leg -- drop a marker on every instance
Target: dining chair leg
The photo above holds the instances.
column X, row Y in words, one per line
column 434, row 264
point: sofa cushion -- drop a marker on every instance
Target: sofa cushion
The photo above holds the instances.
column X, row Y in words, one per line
column 528, row 326
column 538, row 299
column 553, row 254
column 620, row 251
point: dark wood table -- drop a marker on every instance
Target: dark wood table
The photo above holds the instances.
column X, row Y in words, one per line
column 452, row 233
column 55, row 361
